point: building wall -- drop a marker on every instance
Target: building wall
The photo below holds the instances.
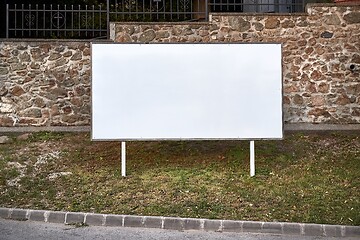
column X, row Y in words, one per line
column 47, row 83
column 44, row 83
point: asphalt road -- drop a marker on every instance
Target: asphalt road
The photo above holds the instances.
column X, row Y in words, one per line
column 14, row 230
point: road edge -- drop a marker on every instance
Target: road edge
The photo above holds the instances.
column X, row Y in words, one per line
column 180, row 224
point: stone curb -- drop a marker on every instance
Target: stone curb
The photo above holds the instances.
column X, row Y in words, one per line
column 287, row 127
column 181, row 224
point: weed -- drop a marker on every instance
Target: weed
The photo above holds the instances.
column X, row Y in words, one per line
column 46, row 136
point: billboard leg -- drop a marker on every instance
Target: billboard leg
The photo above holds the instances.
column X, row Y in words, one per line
column 123, row 159
column 252, row 158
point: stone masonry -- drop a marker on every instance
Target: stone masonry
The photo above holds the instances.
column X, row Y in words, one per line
column 47, row 83
column 318, row 48
column 44, row 83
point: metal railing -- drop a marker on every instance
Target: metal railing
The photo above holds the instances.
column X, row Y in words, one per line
column 85, row 21
column 49, row 21
column 260, row 6
column 158, row 10
column 76, row 21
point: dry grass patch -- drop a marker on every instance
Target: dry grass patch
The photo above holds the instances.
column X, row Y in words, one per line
column 307, row 177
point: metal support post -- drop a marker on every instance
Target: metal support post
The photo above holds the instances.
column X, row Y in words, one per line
column 252, row 158
column 206, row 10
column 123, row 159
column 108, row 19
column 7, row 20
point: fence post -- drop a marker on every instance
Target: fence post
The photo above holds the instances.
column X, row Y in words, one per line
column 303, row 6
column 7, row 20
column 207, row 10
column 108, row 19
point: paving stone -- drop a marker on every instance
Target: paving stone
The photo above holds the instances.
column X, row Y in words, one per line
column 352, row 231
column 73, row 217
column 250, row 226
column 212, row 225
column 19, row 214
column 232, row 226
column 271, row 227
column 114, row 220
column 133, row 221
column 37, row 215
column 56, row 217
column 4, row 213
column 95, row 219
column 313, row 230
column 332, row 230
column 292, row 228
column 174, row 223
column 192, row 224
column 152, row 222
column 23, row 137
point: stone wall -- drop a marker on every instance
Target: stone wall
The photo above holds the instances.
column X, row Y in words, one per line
column 44, row 83
column 47, row 83
column 318, row 48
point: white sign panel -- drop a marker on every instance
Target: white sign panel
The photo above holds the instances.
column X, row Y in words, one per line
column 186, row 91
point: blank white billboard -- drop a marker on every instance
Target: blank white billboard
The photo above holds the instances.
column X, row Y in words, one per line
column 186, row 91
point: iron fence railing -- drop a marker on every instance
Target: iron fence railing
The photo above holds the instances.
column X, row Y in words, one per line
column 77, row 21
column 85, row 21
column 262, row 6
column 49, row 21
column 158, row 10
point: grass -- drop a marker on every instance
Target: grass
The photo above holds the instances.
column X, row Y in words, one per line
column 307, row 177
